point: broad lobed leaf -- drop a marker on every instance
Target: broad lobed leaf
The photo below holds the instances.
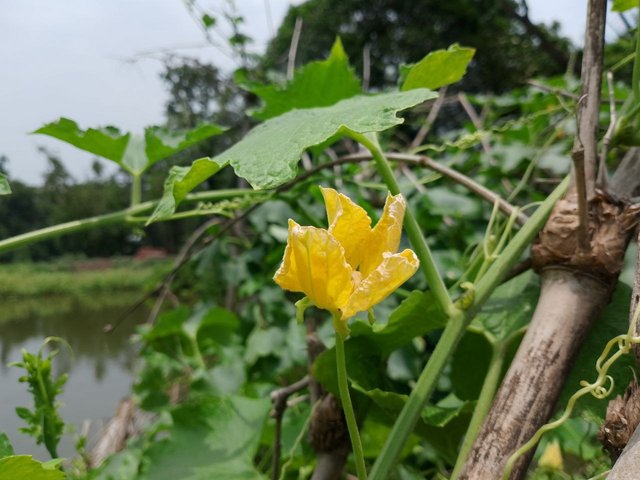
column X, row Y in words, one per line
column 107, row 142
column 317, row 84
column 438, row 68
column 134, row 153
column 268, row 155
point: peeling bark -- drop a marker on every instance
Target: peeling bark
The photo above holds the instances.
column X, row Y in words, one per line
column 128, row 422
column 621, row 420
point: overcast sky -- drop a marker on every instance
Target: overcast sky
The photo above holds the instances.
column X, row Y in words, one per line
column 72, row 58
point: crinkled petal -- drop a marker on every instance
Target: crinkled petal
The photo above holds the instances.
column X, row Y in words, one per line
column 385, row 237
column 393, row 271
column 348, row 223
column 314, row 264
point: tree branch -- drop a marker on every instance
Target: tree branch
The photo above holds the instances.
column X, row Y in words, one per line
column 589, row 104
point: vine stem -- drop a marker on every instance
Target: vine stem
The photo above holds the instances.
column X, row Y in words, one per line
column 427, row 263
column 347, row 407
column 121, row 216
column 488, row 391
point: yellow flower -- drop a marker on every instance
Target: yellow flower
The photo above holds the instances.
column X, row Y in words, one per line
column 350, row 267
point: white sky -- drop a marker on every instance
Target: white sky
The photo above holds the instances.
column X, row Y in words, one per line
column 68, row 58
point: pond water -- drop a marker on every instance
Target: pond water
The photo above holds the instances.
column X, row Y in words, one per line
column 99, row 366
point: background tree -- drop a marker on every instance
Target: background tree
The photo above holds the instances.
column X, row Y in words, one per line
column 510, row 48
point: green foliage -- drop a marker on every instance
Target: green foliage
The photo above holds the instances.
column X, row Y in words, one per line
column 133, row 153
column 5, row 189
column 211, row 438
column 44, row 422
column 317, row 84
column 6, row 449
column 437, row 69
column 623, row 5
column 23, row 467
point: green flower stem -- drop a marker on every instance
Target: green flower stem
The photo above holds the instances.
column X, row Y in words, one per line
column 347, row 407
column 418, row 242
column 136, row 190
column 488, row 391
column 452, row 334
column 108, row 219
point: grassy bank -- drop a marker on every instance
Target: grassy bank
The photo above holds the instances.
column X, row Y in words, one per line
column 79, row 278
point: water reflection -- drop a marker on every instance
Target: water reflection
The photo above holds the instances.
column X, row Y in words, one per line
column 99, row 368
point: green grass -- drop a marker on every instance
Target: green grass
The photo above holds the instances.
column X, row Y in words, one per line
column 64, row 278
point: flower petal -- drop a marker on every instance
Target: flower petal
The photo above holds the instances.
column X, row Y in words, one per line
column 393, row 271
column 348, row 223
column 385, row 236
column 314, row 264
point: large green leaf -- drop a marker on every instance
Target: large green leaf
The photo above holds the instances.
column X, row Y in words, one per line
column 134, row 153
column 317, row 84
column 23, row 467
column 268, row 156
column 623, row 5
column 5, row 189
column 438, row 68
column 107, row 142
column 213, row 438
